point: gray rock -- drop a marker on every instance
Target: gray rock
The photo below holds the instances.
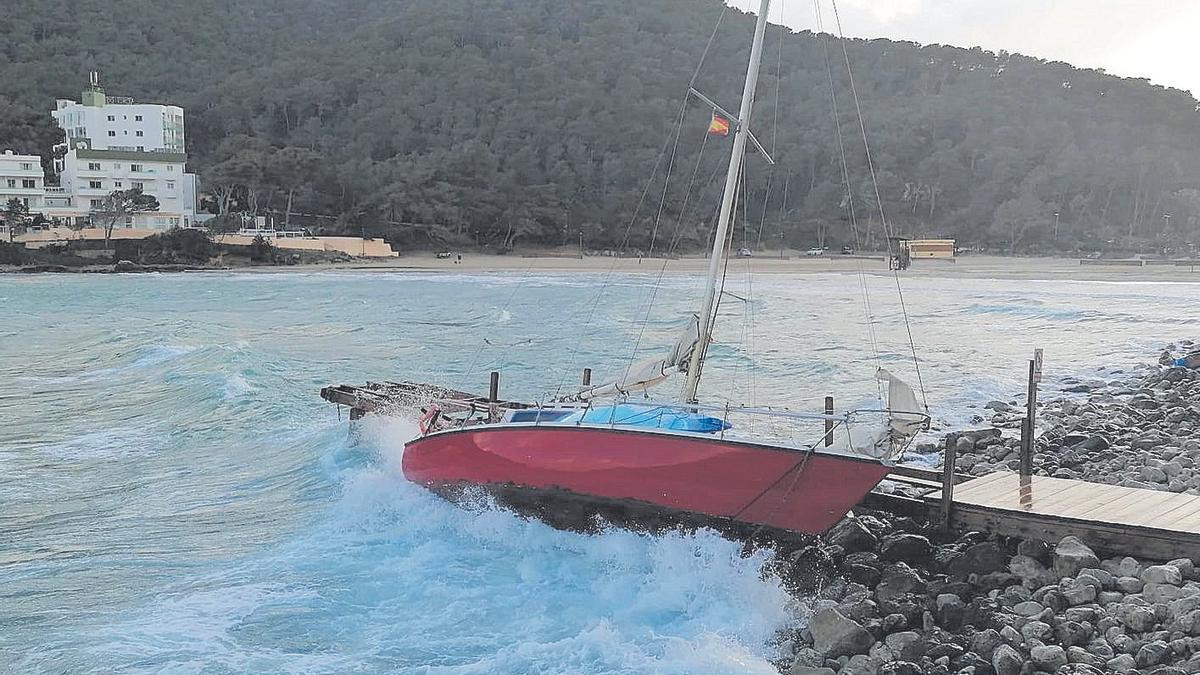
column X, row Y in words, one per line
column 1137, row 619
column 810, row 670
column 1048, row 658
column 898, row 580
column 1129, row 584
column 1071, row 556
column 1122, row 663
column 1007, row 661
column 1161, row 593
column 985, row 642
column 1162, row 574
column 905, row 548
column 1077, row 592
column 852, row 536
column 1080, row 655
column 1033, row 574
column 835, row 635
column 1029, row 608
column 1187, row 568
column 1152, row 654
column 1037, row 630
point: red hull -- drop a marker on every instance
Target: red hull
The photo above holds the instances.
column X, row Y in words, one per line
column 747, row 482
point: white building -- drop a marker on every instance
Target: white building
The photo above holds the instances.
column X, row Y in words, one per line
column 21, row 178
column 119, row 123
column 116, row 144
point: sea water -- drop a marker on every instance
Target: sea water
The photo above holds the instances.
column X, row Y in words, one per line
column 175, row 497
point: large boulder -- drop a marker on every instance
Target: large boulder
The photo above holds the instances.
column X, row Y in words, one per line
column 1048, row 658
column 852, row 536
column 905, row 548
column 1033, row 574
column 1071, row 556
column 1162, row 574
column 835, row 635
column 982, row 558
column 1007, row 661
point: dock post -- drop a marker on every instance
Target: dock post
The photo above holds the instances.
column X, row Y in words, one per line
column 494, row 387
column 949, row 459
column 828, row 423
column 1035, row 376
column 587, row 377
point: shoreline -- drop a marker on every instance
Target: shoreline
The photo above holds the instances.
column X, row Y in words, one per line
column 965, row 267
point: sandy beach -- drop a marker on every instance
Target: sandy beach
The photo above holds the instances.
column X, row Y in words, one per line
column 977, row 267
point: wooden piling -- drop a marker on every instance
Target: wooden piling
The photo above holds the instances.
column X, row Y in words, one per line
column 828, row 423
column 494, row 387
column 587, row 377
column 949, row 459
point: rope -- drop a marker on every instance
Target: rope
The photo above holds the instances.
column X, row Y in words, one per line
column 864, row 289
column 882, row 218
column 641, row 200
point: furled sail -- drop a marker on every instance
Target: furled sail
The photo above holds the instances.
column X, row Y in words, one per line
column 885, row 437
column 643, row 374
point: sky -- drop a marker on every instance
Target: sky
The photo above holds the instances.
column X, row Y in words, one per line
column 1155, row 39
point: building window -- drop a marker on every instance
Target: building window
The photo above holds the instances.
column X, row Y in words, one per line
column 112, row 133
column 141, row 148
column 95, row 203
column 170, row 185
column 138, row 185
column 171, row 167
column 95, row 184
column 117, row 183
column 137, row 118
column 112, row 118
column 26, row 166
column 12, row 182
column 29, row 183
column 139, row 134
column 93, row 166
column 136, row 168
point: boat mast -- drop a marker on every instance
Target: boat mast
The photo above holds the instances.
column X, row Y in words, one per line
column 731, row 180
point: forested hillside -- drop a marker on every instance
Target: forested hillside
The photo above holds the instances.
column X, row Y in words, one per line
column 532, row 121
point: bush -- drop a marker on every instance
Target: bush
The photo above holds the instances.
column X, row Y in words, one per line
column 262, row 250
column 12, row 254
column 172, row 246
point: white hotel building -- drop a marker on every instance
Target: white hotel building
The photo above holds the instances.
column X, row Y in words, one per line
column 116, row 144
column 21, row 178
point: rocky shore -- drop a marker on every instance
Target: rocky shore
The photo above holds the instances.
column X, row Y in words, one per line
column 892, row 596
column 1138, row 431
column 891, row 599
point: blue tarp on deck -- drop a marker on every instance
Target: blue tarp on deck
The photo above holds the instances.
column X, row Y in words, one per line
column 654, row 417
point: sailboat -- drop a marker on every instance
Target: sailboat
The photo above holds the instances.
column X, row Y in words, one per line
column 604, row 446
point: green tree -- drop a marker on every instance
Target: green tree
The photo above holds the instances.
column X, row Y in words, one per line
column 16, row 216
column 118, row 206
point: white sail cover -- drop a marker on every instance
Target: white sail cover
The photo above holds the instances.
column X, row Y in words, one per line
column 887, row 435
column 643, row 374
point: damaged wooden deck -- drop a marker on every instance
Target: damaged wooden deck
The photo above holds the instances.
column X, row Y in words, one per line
column 1150, row 523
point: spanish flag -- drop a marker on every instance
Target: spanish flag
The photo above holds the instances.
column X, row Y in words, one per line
column 719, row 125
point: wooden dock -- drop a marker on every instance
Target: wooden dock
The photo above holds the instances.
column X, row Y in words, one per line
column 1110, row 518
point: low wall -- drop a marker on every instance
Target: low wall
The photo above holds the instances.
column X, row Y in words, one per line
column 353, row 246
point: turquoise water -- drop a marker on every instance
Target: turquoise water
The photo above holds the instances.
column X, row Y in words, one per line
column 177, row 498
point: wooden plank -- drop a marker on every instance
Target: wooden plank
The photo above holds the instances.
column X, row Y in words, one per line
column 1103, row 499
column 1136, row 511
column 1180, row 514
column 1006, row 491
column 1151, row 543
column 981, row 488
column 1120, row 500
column 1077, row 499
